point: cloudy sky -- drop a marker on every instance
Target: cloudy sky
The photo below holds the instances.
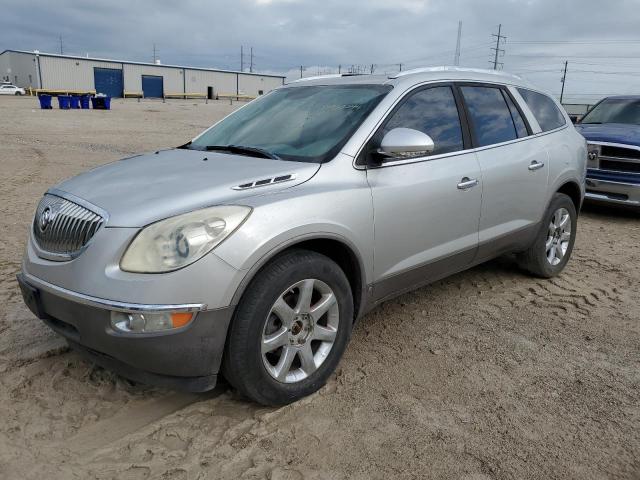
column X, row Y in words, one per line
column 600, row 39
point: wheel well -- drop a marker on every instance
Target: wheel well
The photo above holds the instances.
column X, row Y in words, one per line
column 572, row 190
column 346, row 259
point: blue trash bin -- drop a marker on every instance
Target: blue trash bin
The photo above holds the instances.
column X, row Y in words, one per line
column 45, row 102
column 64, row 101
column 74, row 101
column 101, row 103
column 84, row 101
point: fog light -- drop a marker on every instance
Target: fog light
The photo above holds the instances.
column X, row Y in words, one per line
column 149, row 322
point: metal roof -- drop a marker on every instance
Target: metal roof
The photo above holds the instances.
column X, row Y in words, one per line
column 127, row 62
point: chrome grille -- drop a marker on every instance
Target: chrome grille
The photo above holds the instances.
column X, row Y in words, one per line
column 619, row 159
column 62, row 227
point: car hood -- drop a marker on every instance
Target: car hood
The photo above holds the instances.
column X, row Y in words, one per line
column 611, row 132
column 142, row 189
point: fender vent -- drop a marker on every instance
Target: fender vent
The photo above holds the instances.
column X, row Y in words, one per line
column 265, row 181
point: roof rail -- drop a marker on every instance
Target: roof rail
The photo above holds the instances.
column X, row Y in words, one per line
column 446, row 68
column 317, row 77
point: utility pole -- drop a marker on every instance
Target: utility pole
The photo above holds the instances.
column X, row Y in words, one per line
column 241, row 59
column 302, row 69
column 251, row 62
column 564, row 78
column 339, row 69
column 497, row 48
column 373, row 67
column 155, row 56
column 399, row 67
column 61, row 50
column 456, row 57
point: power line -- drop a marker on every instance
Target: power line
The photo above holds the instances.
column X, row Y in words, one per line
column 572, row 42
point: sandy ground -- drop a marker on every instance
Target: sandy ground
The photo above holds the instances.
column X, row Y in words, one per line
column 488, row 374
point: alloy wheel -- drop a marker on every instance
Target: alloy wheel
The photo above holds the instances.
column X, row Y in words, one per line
column 300, row 330
column 558, row 236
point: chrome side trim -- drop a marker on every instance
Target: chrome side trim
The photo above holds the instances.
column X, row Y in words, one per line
column 110, row 304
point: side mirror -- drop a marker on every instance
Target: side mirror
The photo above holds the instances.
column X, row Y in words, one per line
column 405, row 142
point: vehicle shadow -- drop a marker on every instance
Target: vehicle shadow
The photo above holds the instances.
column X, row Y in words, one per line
column 613, row 211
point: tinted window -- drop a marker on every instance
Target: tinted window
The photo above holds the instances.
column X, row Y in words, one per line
column 518, row 121
column 544, row 109
column 432, row 111
column 490, row 115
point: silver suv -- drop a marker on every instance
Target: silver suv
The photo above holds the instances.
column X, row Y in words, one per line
column 251, row 251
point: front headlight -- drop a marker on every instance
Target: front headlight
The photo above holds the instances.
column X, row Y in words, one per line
column 179, row 241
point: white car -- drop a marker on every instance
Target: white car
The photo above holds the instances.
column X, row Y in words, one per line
column 8, row 89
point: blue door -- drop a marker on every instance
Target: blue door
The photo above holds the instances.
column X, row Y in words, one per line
column 108, row 81
column 152, row 86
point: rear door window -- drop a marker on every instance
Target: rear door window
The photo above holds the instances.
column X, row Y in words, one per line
column 544, row 109
column 489, row 115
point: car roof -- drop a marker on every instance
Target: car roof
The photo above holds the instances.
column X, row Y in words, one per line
column 417, row 75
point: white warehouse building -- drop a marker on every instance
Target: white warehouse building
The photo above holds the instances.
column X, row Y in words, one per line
column 116, row 77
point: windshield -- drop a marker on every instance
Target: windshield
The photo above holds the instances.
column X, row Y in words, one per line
column 615, row 110
column 306, row 124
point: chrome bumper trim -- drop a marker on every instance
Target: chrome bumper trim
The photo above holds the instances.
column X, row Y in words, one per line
column 110, row 304
column 602, row 197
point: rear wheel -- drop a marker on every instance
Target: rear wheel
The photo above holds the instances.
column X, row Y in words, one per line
column 290, row 329
column 552, row 248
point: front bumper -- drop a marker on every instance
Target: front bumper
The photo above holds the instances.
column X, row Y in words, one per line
column 188, row 358
column 613, row 188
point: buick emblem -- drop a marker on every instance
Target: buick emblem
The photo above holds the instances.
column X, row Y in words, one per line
column 46, row 218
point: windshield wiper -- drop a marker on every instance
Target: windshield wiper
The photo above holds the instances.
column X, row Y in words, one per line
column 243, row 150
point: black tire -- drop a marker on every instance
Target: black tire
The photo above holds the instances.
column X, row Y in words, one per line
column 18, row 94
column 243, row 365
column 534, row 260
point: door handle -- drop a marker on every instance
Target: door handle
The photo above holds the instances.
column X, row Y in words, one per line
column 467, row 182
column 535, row 165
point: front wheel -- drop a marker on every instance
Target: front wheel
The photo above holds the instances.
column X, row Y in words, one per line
column 290, row 329
column 552, row 248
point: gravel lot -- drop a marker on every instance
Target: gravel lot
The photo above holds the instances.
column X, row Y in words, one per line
column 487, row 374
